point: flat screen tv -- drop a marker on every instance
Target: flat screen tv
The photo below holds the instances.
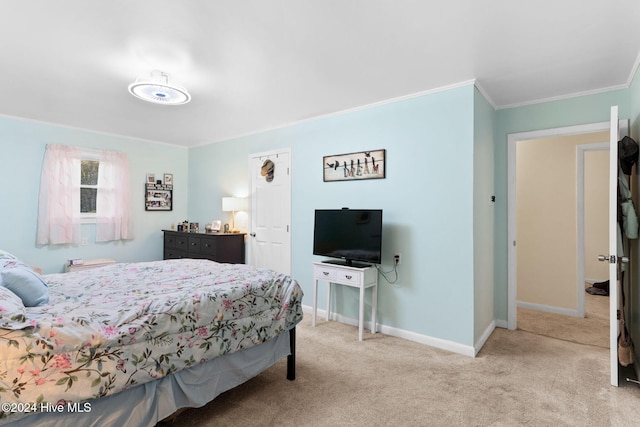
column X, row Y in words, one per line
column 349, row 236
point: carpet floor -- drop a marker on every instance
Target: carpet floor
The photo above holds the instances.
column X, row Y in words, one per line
column 593, row 329
column 518, row 378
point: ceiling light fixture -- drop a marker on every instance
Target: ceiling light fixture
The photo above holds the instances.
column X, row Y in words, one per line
column 156, row 88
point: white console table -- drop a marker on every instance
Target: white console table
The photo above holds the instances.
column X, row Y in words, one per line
column 361, row 278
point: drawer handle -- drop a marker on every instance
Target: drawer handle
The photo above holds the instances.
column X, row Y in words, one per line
column 326, row 273
column 348, row 277
column 194, row 244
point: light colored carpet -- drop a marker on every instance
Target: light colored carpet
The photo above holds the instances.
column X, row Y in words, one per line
column 518, row 378
column 593, row 329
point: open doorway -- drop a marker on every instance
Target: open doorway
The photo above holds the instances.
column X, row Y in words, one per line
column 562, row 218
column 512, row 207
column 617, row 128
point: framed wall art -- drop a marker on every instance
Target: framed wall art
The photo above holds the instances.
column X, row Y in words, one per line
column 354, row 166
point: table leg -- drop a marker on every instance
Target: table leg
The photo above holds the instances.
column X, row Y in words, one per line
column 361, row 314
column 328, row 300
column 315, row 303
column 374, row 308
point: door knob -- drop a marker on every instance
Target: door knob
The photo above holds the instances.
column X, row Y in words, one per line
column 252, row 234
column 612, row 258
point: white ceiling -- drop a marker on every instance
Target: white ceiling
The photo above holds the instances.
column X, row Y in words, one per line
column 252, row 65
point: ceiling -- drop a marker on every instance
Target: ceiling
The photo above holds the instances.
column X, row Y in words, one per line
column 253, row 65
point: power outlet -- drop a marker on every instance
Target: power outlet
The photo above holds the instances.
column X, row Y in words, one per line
column 396, row 258
column 84, row 241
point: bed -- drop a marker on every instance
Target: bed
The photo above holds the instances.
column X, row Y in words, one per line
column 131, row 343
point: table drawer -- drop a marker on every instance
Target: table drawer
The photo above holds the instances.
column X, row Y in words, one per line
column 348, row 277
column 323, row 273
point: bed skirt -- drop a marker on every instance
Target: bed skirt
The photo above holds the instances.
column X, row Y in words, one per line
column 148, row 403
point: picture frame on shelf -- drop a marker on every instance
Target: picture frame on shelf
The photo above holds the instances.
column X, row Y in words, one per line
column 151, row 178
column 168, row 179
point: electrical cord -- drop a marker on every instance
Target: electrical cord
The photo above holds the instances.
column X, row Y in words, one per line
column 393, row 270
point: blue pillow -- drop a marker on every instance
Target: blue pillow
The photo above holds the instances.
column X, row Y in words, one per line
column 24, row 282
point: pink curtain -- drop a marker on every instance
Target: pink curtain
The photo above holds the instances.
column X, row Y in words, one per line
column 59, row 201
column 114, row 219
column 58, row 205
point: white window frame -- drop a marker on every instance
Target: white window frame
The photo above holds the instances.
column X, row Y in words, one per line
column 86, row 218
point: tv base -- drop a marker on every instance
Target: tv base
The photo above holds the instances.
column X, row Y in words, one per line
column 348, row 263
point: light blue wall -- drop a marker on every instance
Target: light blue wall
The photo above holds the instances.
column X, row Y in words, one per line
column 427, row 200
column 548, row 115
column 22, row 146
column 484, row 123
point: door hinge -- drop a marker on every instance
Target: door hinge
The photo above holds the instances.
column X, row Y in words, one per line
column 287, row 171
column 618, row 314
column 287, row 228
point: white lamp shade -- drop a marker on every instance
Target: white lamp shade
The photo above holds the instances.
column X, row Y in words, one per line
column 234, row 204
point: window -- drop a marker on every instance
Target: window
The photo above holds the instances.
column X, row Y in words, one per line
column 88, row 188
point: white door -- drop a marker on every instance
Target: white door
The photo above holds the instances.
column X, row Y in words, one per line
column 270, row 212
column 612, row 258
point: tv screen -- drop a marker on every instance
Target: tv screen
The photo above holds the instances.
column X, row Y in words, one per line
column 348, row 234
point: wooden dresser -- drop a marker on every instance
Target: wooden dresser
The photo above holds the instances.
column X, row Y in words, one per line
column 220, row 247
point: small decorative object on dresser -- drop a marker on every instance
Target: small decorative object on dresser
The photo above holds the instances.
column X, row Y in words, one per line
column 219, row 247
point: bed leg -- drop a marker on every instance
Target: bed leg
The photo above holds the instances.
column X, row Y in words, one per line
column 291, row 359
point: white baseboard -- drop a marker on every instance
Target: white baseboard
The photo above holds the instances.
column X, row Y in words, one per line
column 451, row 346
column 483, row 338
column 502, row 324
column 548, row 309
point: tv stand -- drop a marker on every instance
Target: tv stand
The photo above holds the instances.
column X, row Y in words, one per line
column 357, row 277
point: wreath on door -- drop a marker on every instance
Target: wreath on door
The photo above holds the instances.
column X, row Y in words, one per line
column 267, row 170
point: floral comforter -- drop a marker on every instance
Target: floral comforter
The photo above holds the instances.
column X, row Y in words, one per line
column 111, row 328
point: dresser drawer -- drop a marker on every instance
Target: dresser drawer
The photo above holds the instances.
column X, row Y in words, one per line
column 169, row 241
column 181, row 243
column 170, row 253
column 194, row 244
column 208, row 247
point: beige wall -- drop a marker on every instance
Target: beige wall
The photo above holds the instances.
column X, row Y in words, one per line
column 596, row 214
column 546, row 220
